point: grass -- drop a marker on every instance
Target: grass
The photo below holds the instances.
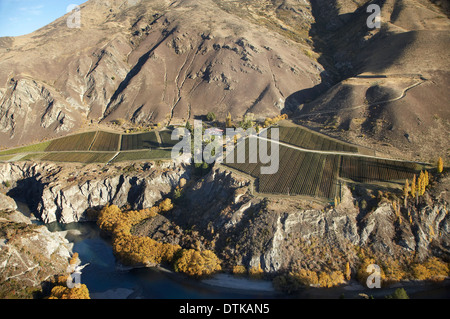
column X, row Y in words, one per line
column 143, row 155
column 33, row 157
column 27, row 149
column 5, row 158
column 79, row 157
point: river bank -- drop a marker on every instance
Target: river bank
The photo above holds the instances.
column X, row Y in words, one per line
column 106, row 279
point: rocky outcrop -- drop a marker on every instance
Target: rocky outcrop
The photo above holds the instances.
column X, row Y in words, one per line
column 29, row 254
column 284, row 234
column 219, row 211
column 66, row 193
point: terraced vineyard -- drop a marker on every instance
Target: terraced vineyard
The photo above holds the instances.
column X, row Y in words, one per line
column 366, row 170
column 78, row 142
column 299, row 173
column 318, row 174
column 106, row 142
column 307, row 139
column 139, row 141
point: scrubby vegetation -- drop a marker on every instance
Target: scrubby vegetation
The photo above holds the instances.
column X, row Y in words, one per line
column 133, row 250
column 61, row 291
column 197, row 263
column 393, row 270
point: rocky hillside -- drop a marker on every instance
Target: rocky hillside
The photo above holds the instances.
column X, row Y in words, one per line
column 149, row 62
column 67, row 193
column 281, row 235
column 155, row 62
column 390, row 90
column 272, row 236
column 30, row 255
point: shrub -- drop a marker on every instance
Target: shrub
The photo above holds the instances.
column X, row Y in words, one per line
column 433, row 269
column 211, row 116
column 331, row 279
column 239, row 270
column 399, row 293
column 256, row 272
column 166, row 205
column 197, row 263
column 62, row 292
column 306, row 277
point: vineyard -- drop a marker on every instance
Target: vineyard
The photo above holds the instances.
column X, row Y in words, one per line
column 143, row 155
column 166, row 139
column 105, row 142
column 316, row 174
column 79, row 157
column 139, row 141
column 365, row 170
column 308, row 172
column 78, row 142
column 299, row 173
column 304, row 138
column 96, row 147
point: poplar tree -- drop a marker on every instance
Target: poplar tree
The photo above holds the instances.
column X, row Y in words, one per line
column 414, row 187
column 406, row 192
column 228, row 122
column 348, row 271
column 440, row 165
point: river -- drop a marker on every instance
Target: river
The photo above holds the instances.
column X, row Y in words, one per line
column 107, row 279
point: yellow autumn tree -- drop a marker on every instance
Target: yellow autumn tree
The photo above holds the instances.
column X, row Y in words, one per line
column 406, row 190
column 256, row 272
column 239, row 270
column 305, row 277
column 63, row 292
column 108, row 218
column 362, row 273
column 414, row 187
column 348, row 271
column 166, row 205
column 332, row 279
column 228, row 121
column 433, row 269
column 197, row 263
column 440, row 165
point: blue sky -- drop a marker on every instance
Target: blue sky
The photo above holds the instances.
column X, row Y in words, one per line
column 19, row 17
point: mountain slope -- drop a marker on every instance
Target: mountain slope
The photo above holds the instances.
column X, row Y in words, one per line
column 391, row 89
column 151, row 61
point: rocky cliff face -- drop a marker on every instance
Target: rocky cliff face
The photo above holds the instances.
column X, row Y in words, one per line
column 29, row 254
column 285, row 234
column 220, row 212
column 66, row 193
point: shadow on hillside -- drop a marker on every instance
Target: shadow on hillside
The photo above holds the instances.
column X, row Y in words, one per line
column 337, row 37
column 134, row 71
